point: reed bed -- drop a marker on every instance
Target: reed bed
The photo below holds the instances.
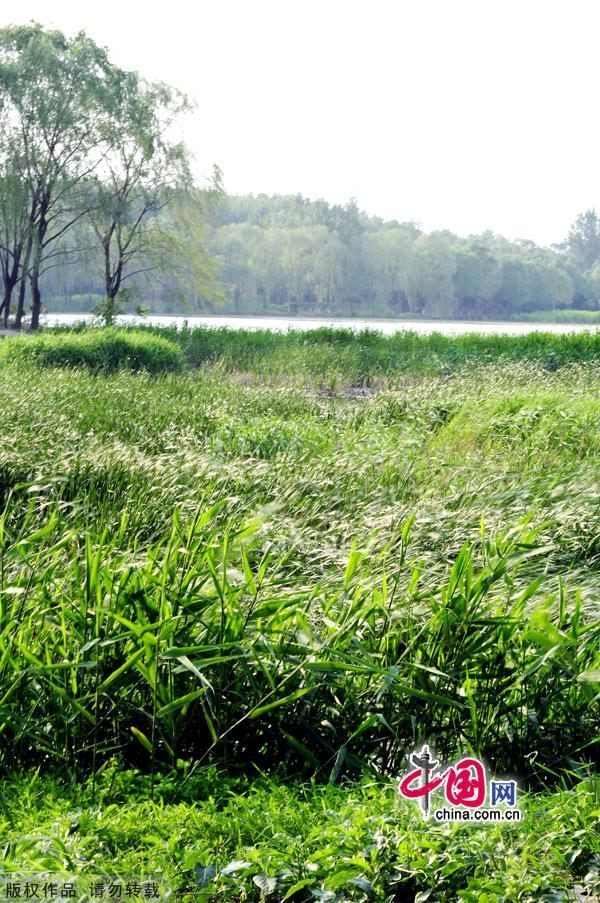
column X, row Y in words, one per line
column 198, row 568
column 346, row 355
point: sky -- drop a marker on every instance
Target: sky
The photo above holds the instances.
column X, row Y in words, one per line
column 458, row 114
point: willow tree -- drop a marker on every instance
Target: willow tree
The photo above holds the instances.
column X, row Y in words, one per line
column 57, row 96
column 83, row 139
column 147, row 217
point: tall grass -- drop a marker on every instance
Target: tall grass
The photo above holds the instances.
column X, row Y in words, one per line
column 199, row 648
column 362, row 356
column 569, row 315
column 201, row 567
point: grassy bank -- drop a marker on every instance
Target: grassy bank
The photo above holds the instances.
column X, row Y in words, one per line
column 252, row 565
column 331, row 354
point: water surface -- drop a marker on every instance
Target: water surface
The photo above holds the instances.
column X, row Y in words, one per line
column 387, row 327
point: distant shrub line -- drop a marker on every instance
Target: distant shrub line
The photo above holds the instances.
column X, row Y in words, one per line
column 568, row 315
column 357, row 355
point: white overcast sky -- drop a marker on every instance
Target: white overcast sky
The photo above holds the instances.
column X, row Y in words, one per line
column 459, row 114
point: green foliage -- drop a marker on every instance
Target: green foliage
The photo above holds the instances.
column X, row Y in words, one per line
column 290, row 255
column 85, row 149
column 584, row 239
column 56, row 94
column 197, row 648
column 240, row 840
column 140, row 215
column 98, row 349
column 477, row 277
column 287, row 255
column 248, row 568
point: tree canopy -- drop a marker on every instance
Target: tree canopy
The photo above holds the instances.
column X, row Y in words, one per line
column 86, row 165
column 291, row 255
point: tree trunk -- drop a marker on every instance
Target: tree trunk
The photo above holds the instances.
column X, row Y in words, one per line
column 11, row 277
column 109, row 310
column 7, row 291
column 36, row 293
column 23, row 286
column 112, row 280
column 38, row 251
column 5, row 306
column 20, row 304
column 36, row 301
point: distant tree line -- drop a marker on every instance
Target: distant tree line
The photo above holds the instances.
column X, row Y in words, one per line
column 293, row 255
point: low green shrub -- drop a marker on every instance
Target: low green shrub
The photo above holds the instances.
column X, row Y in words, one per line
column 106, row 350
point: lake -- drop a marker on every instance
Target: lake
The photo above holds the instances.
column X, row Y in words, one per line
column 387, row 327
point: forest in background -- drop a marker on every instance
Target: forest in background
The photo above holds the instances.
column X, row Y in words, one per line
column 289, row 255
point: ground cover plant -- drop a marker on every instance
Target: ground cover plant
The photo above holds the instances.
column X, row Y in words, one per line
column 302, row 573
column 263, row 839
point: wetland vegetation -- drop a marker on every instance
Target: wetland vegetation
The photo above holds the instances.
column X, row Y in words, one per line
column 240, row 584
